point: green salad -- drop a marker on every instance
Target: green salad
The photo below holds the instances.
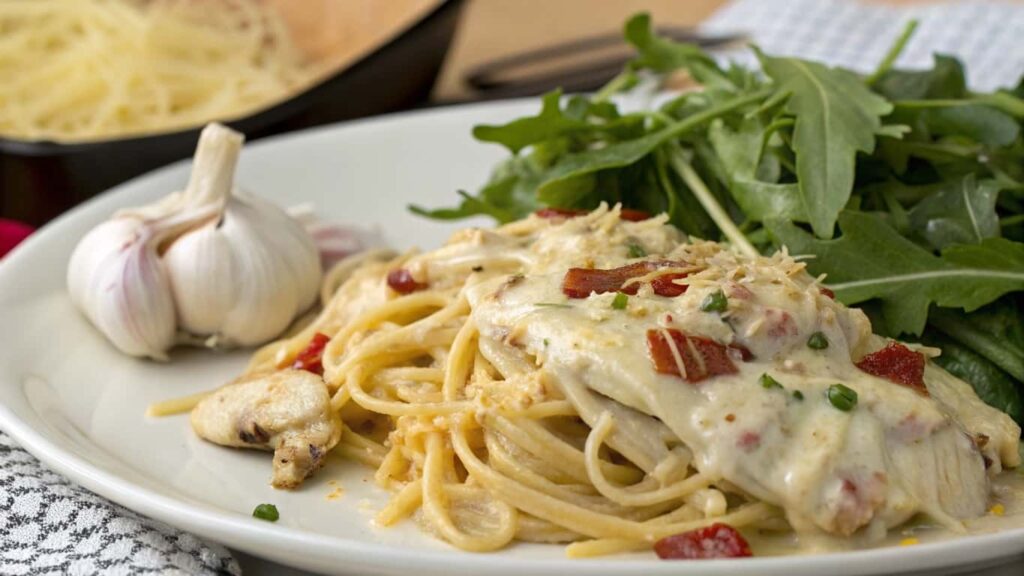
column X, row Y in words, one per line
column 904, row 187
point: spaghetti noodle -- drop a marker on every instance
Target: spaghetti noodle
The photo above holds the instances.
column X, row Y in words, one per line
column 77, row 70
column 496, row 409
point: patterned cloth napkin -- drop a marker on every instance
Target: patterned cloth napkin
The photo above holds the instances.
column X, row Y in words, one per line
column 985, row 35
column 49, row 526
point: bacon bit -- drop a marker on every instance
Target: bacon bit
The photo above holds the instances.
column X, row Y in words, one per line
column 749, row 441
column 310, row 359
column 715, row 541
column 738, row 291
column 400, row 280
column 626, row 213
column 742, row 351
column 701, row 357
column 898, row 364
column 581, row 282
column 828, row 292
column 633, row 215
column 730, row 417
column 780, row 323
column 664, row 285
column 558, row 213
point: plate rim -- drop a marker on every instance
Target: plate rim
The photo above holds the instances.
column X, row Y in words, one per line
column 286, row 544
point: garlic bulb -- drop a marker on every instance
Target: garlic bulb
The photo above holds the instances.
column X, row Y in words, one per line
column 208, row 263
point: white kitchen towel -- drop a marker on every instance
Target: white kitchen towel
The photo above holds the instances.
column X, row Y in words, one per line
column 51, row 526
column 988, row 36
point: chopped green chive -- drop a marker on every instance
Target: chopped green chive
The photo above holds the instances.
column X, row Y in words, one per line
column 817, row 341
column 551, row 305
column 768, row 382
column 636, row 250
column 546, row 342
column 842, row 397
column 715, row 302
column 620, row 300
column 266, row 512
column 798, row 395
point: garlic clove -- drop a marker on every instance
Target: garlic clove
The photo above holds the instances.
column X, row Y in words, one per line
column 256, row 259
column 291, row 238
column 199, row 265
column 229, row 268
column 115, row 276
column 288, row 262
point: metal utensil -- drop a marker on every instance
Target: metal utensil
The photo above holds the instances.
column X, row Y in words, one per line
column 577, row 65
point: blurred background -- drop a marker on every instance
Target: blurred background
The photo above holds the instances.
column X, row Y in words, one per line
column 95, row 92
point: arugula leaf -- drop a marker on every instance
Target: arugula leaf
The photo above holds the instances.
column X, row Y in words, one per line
column 622, row 154
column 510, row 195
column 981, row 123
column 684, row 211
column 967, row 330
column 836, row 117
column 922, row 176
column 740, row 153
column 893, row 53
column 961, row 212
column 554, row 123
column 871, row 260
column 993, row 254
column 470, row 206
column 663, row 55
column 944, row 80
column 568, row 192
column 518, row 134
column 761, row 200
column 1005, row 320
column 991, row 384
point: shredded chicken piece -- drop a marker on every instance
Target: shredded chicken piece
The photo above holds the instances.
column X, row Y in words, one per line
column 288, row 412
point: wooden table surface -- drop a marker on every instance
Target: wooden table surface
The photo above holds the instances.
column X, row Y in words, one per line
column 489, row 29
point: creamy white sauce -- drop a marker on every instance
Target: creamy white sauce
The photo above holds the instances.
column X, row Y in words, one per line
column 897, row 454
column 1005, row 513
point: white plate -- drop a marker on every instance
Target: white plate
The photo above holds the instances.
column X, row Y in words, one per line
column 78, row 405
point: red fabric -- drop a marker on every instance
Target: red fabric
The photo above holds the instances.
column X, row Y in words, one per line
column 11, row 234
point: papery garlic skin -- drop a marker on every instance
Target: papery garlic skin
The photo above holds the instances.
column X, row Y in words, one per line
column 206, row 264
column 256, row 258
column 116, row 278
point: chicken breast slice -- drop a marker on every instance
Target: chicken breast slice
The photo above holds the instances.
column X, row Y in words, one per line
column 896, row 453
column 288, row 412
column 994, row 432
